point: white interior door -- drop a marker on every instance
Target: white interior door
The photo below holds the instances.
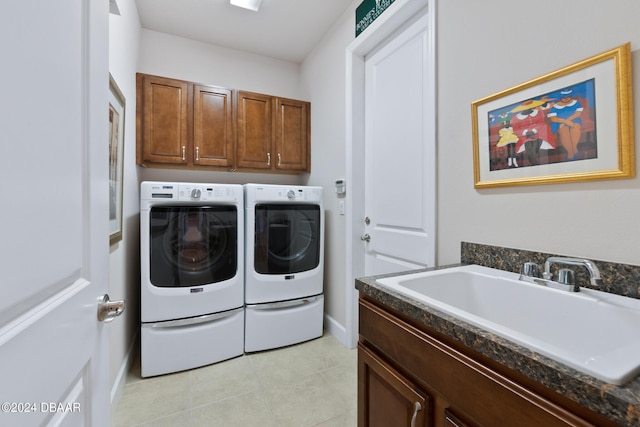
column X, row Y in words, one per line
column 54, row 252
column 399, row 196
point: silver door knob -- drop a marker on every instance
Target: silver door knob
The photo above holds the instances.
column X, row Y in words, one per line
column 109, row 310
column 365, row 238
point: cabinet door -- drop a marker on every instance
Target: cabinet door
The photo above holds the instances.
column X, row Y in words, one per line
column 451, row 420
column 292, row 135
column 213, row 126
column 164, row 120
column 386, row 398
column 255, row 130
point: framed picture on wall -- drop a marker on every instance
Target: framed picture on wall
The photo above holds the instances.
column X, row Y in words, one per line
column 575, row 124
column 116, row 154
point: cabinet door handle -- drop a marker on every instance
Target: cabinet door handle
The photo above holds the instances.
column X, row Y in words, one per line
column 417, row 407
column 268, row 159
column 184, row 153
column 197, row 153
column 279, row 159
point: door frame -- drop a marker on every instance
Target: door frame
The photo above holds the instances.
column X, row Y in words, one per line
column 399, row 15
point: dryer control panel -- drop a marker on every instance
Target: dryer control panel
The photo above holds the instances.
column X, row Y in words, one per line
column 284, row 193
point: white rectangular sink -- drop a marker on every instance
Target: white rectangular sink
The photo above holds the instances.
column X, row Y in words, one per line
column 595, row 332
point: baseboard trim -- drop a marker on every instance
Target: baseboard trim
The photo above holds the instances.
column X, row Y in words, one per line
column 121, row 378
column 337, row 330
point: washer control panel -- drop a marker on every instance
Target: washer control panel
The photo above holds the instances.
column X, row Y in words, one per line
column 206, row 192
column 161, row 192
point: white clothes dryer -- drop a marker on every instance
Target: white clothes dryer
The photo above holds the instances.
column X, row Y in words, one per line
column 192, row 275
column 284, row 265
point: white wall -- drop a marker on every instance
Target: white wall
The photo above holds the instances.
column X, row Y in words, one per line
column 180, row 58
column 323, row 75
column 124, row 34
column 483, row 49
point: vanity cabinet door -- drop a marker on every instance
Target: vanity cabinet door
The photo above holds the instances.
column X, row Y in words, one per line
column 386, row 398
column 450, row 420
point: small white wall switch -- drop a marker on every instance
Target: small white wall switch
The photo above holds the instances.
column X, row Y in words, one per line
column 341, row 207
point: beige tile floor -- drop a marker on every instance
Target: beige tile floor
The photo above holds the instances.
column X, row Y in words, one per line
column 309, row 384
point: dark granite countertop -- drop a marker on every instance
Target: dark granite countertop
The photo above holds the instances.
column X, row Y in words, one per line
column 620, row 404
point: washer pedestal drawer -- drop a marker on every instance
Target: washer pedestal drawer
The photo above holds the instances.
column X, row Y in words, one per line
column 177, row 345
column 274, row 325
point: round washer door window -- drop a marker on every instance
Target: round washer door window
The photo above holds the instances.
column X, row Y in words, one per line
column 287, row 238
column 195, row 241
column 193, row 246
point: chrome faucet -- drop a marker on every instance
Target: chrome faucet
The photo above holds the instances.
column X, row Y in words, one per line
column 566, row 278
column 594, row 273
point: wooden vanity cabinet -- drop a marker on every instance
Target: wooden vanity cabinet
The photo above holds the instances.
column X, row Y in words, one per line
column 184, row 124
column 401, row 362
column 387, row 397
column 273, row 133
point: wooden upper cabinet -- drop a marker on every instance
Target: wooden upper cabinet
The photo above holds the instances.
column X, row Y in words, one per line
column 273, row 133
column 292, row 135
column 185, row 124
column 255, row 130
column 162, row 120
column 192, row 125
column 213, row 131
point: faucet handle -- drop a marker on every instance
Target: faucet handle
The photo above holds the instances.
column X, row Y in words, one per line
column 566, row 276
column 530, row 269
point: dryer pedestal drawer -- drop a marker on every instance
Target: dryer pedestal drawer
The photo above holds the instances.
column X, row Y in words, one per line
column 274, row 325
column 177, row 345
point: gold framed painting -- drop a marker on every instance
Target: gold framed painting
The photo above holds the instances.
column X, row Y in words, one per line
column 574, row 124
column 116, row 157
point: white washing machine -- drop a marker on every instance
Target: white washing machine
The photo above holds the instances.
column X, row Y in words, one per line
column 192, row 275
column 284, row 265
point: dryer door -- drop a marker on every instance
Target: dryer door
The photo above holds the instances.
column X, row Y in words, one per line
column 193, row 245
column 287, row 238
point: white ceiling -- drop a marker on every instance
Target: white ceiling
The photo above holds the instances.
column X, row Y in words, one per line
column 282, row 29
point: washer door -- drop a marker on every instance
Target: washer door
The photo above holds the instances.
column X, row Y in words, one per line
column 287, row 238
column 193, row 245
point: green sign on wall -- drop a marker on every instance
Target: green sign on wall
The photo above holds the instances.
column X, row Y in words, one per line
column 368, row 11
